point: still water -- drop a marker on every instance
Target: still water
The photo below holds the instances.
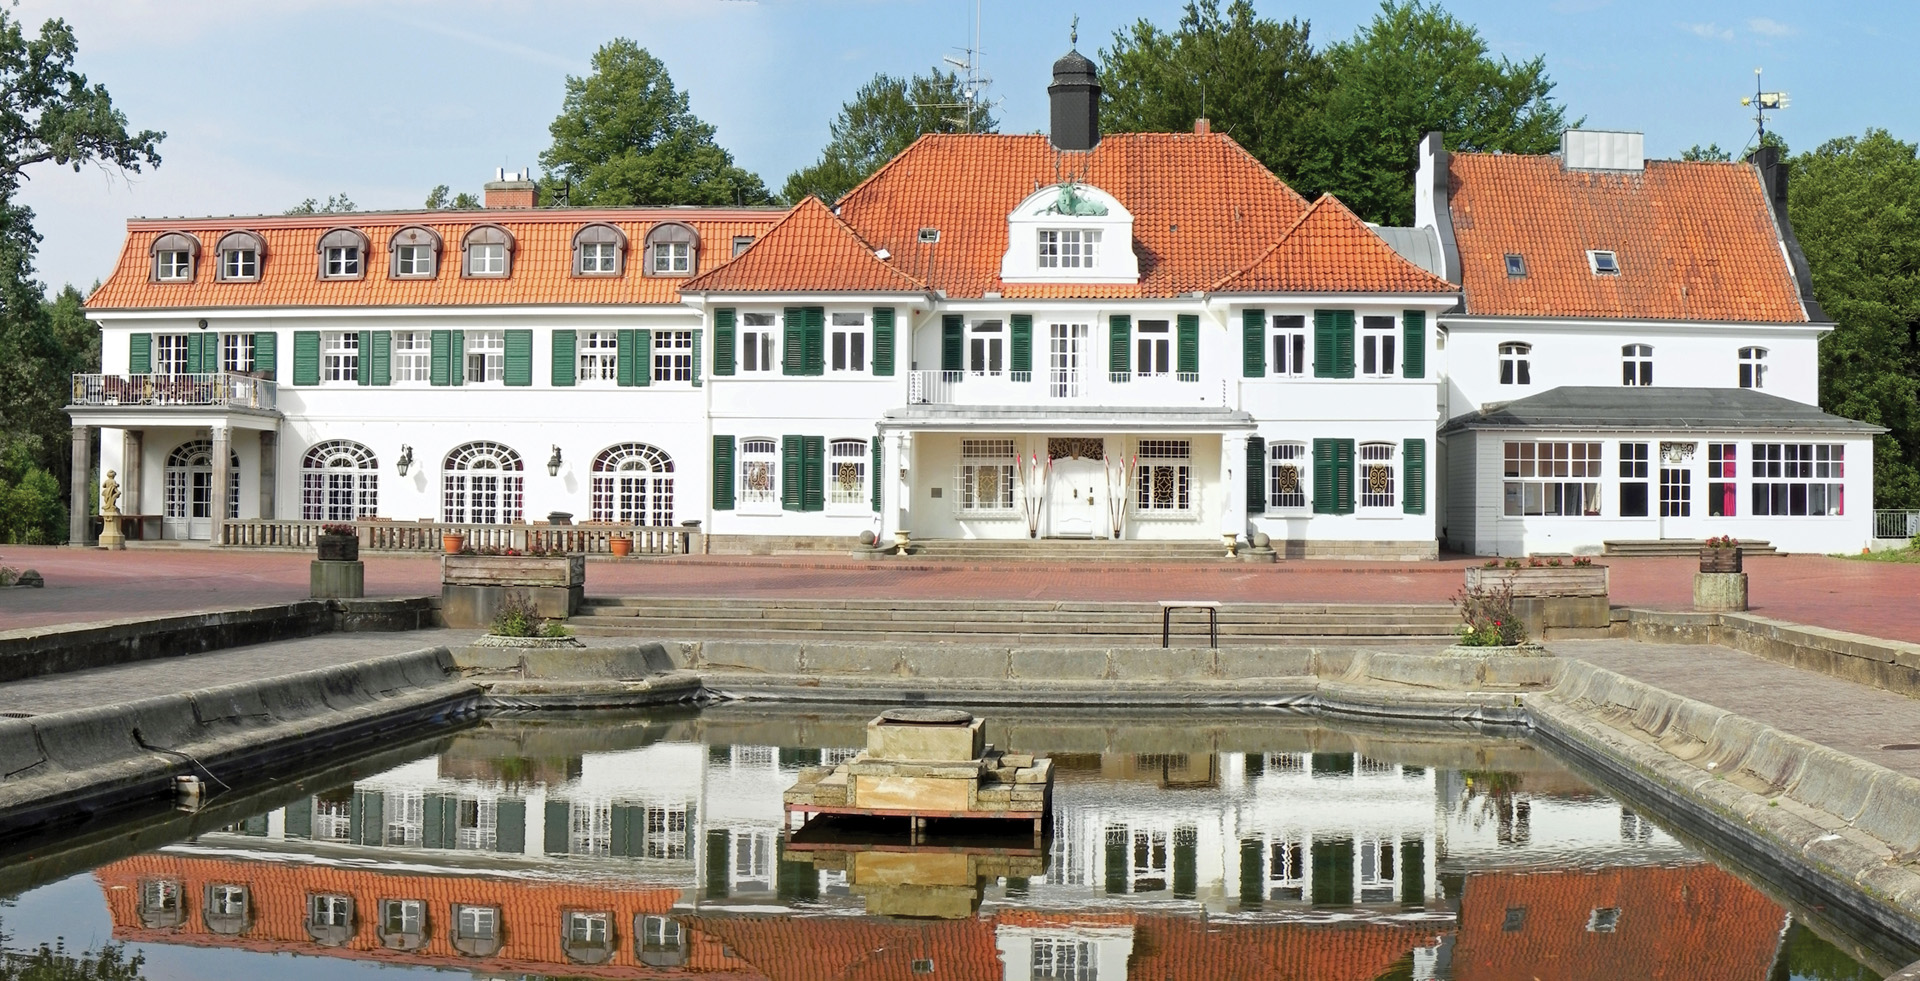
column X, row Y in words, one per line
column 1182, row 848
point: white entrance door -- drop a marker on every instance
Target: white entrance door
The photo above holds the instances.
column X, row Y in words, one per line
column 1676, row 491
column 188, row 480
column 1075, row 504
column 1067, row 347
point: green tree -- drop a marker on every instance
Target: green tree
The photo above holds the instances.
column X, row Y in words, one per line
column 626, row 136
column 1711, row 153
column 335, row 204
column 881, row 119
column 57, row 963
column 442, row 198
column 1257, row 80
column 1855, row 206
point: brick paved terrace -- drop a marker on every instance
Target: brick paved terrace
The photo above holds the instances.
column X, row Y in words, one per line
column 1880, row 599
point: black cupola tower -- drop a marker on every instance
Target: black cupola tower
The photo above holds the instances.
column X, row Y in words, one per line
column 1075, row 95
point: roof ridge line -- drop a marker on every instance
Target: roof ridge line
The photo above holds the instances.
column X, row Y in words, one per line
column 1271, row 249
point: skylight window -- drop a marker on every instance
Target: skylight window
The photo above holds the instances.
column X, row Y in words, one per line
column 1603, row 263
column 1516, row 264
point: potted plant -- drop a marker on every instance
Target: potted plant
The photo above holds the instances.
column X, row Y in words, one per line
column 453, row 542
column 1720, row 554
column 339, row 543
column 621, row 543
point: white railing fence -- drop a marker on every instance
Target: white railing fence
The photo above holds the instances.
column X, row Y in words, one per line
column 428, row 536
column 1896, row 524
column 219, row 388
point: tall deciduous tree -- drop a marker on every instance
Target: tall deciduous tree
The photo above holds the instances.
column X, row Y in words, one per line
column 1855, row 206
column 884, row 116
column 626, row 136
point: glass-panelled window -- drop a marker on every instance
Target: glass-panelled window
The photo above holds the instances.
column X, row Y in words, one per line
column 1799, row 479
column 847, row 475
column 599, row 356
column 587, row 928
column 340, row 355
column 1166, row 475
column 1378, row 482
column 1063, row 959
column 487, row 259
column 170, row 354
column 1753, row 367
column 339, row 481
column 329, row 911
column 482, row 483
column 1378, row 872
column 673, row 355
column 1633, row 480
column 476, row 922
column 173, row 264
column 599, row 258
column 412, row 356
column 1290, row 345
column 1287, row 868
column 759, row 475
column 672, row 257
column 342, row 261
column 986, row 348
column 236, row 352
column 1552, row 478
column 403, row 915
column 1377, row 336
column 333, row 818
column 477, row 824
column 986, row 475
column 590, row 826
column 486, row 356
column 1636, row 364
column 405, row 814
column 1287, row 475
column 1516, row 364
column 1068, row 248
column 752, row 857
column 847, row 342
column 227, row 900
column 239, row 264
column 666, row 832
column 1722, row 469
column 633, row 484
column 1154, row 344
column 413, row 260
column 757, row 350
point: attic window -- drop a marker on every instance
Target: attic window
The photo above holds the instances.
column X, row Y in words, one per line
column 929, row 236
column 741, row 242
column 672, row 249
column 1516, row 265
column 1603, row 263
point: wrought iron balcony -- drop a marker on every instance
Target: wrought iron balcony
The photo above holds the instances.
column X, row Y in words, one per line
column 223, row 389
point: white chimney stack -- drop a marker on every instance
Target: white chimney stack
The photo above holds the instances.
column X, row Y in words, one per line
column 1590, row 149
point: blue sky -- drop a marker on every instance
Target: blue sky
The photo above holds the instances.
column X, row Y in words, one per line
column 266, row 104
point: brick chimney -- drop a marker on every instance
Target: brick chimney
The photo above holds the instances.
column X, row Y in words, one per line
column 510, row 190
column 1202, row 127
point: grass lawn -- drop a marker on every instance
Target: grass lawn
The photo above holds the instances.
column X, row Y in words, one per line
column 1909, row 555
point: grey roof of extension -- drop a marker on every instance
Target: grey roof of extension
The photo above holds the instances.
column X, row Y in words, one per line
column 1577, row 408
column 1420, row 246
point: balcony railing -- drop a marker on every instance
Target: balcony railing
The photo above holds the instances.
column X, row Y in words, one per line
column 219, row 388
column 1053, row 387
column 1896, row 524
column 427, row 536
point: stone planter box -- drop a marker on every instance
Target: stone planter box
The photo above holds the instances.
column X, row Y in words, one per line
column 1721, row 560
column 1566, row 580
column 473, row 587
column 339, row 548
column 330, row 579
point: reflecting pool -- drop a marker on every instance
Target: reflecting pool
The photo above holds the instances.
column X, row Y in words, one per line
column 1181, row 848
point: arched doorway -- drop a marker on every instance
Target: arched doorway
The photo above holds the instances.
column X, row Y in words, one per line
column 188, row 514
column 633, row 485
column 339, row 481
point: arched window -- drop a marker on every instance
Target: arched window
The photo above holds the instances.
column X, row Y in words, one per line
column 241, row 253
column 847, row 475
column 587, row 937
column 229, row 909
column 672, row 249
column 339, row 481
column 481, row 484
column 1636, row 364
column 599, row 250
column 659, row 941
column 633, row 485
column 403, row 924
column 476, row 930
column 160, row 904
column 330, row 919
column 413, row 253
column 1377, row 476
column 1753, row 367
column 487, row 252
column 188, row 482
column 343, row 254
column 1516, row 363
column 175, row 257
column 759, row 475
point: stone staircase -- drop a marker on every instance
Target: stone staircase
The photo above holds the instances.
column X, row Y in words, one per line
column 1006, row 623
column 1680, row 546
column 1066, row 550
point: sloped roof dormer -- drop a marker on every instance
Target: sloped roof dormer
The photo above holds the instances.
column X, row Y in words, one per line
column 1070, row 233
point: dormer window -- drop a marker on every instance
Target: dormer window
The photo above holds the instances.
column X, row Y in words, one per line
column 741, row 243
column 672, row 249
column 1069, row 248
column 240, row 253
column 174, row 255
column 1516, row 265
column 1603, row 263
column 489, row 253
column 1070, row 233
column 414, row 252
column 599, row 250
column 343, row 254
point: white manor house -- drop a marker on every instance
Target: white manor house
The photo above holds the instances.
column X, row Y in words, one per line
column 1138, row 337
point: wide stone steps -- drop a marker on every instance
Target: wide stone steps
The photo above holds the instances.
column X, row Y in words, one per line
column 1067, row 550
column 1680, row 546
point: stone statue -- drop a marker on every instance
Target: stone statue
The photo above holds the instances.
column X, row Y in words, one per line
column 109, row 495
column 111, row 538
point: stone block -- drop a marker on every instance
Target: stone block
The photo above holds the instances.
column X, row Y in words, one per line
column 876, row 868
column 910, row 741
column 476, row 606
column 1066, row 664
column 1235, row 664
column 1892, row 812
column 1543, row 613
column 1016, row 760
column 336, row 580
column 955, row 661
column 1161, row 664
column 1717, row 591
column 770, row 657
column 912, row 793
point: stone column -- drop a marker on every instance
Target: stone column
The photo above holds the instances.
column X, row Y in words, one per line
column 269, row 471
column 222, row 477
column 1233, row 479
column 79, row 524
column 132, row 462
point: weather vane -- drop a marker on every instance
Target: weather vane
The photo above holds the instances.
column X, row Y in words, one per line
column 1073, row 33
column 1761, row 102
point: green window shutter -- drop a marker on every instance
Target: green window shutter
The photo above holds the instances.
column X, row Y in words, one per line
column 1256, row 475
column 1343, row 343
column 723, row 341
column 1343, row 475
column 564, row 370
column 697, row 340
column 642, row 358
column 793, row 345
column 519, row 367
column 723, row 473
column 1413, row 351
column 1119, row 343
column 1253, row 343
column 440, row 368
column 813, row 473
column 1413, row 476
column 140, row 354
column 1022, row 342
column 382, row 355
column 434, row 832
column 306, row 357
column 510, row 822
column 953, row 342
column 874, row 473
column 557, row 831
column 1324, row 499
column 1324, row 344
column 790, row 474
column 300, row 818
column 457, row 357
column 883, row 341
column 1187, row 344
column 816, row 340
column 363, row 362
column 623, row 354
column 194, row 345
column 266, row 354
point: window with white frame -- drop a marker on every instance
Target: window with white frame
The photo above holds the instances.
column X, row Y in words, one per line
column 1636, row 364
column 342, row 262
column 666, row 832
column 673, row 355
column 412, row 356
column 1149, row 872
column 757, row 350
column 1287, row 475
column 227, row 900
column 759, row 475
column 1603, row 919
column 661, row 933
column 1603, row 262
column 752, row 857
column 160, row 896
column 236, row 352
column 476, row 922
column 1289, row 345
column 741, row 243
column 1063, row 959
column 587, row 928
column 340, row 355
column 486, row 356
column 170, row 354
column 1286, row 869
column 240, row 264
column 599, row 258
column 847, row 475
column 1552, row 478
column 1378, row 870
column 986, row 350
column 329, row 911
column 590, row 828
column 476, row 824
column 1516, row 363
column 173, row 265
column 1068, row 248
column 1376, row 346
column 1753, row 367
column 1377, row 477
column 333, row 818
column 1723, row 469
column 339, row 481
column 482, row 483
column 403, row 915
column 1799, row 479
column 847, row 342
column 672, row 257
column 487, row 259
column 633, row 485
column 413, row 261
column 405, row 814
column 1153, row 348
column 986, row 475
column 1165, row 476
column 599, row 356
column 1634, row 496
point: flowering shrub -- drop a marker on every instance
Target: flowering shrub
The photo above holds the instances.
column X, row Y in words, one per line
column 1724, row 541
column 1513, row 563
column 1487, row 617
column 337, row 529
column 1583, row 561
column 1553, row 563
column 1491, row 564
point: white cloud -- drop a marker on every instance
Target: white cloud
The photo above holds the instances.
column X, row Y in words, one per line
column 1709, row 30
column 1769, row 27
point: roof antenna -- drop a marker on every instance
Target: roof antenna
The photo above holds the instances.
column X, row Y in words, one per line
column 973, row 83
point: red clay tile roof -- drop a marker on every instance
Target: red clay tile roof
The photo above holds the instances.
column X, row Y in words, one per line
column 809, row 251
column 1202, row 207
column 1696, row 241
column 1330, row 250
column 542, row 260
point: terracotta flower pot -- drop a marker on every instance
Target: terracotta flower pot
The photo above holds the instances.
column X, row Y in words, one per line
column 452, row 543
column 621, row 545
